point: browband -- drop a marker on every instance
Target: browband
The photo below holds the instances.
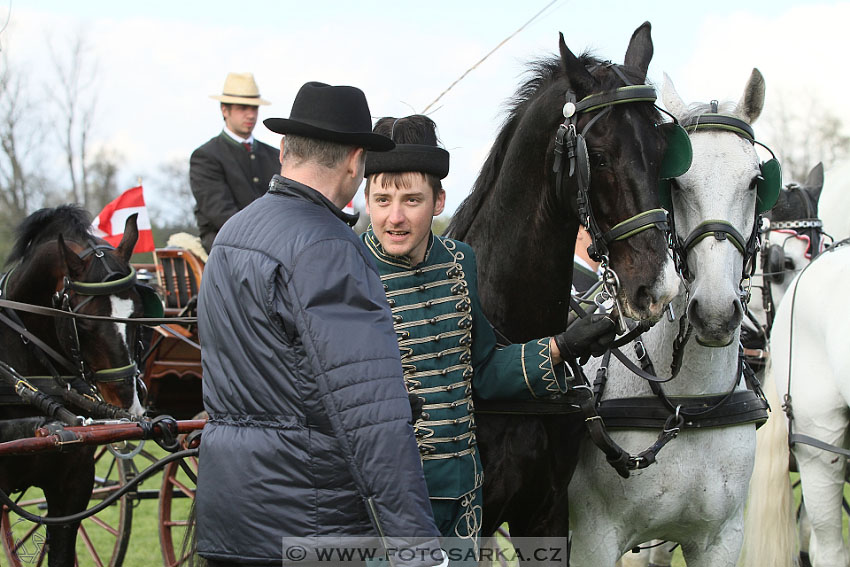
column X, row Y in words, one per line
column 721, row 122
column 409, row 157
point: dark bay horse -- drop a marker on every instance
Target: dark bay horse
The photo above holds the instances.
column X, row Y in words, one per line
column 56, row 262
column 525, row 274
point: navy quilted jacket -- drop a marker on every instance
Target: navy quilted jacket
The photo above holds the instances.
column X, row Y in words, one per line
column 309, row 417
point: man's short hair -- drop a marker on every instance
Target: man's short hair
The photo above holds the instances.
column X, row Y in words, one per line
column 299, row 150
column 404, row 180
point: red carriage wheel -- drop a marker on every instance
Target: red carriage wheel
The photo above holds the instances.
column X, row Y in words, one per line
column 175, row 501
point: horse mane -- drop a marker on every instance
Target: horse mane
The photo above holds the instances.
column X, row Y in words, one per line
column 71, row 221
column 542, row 73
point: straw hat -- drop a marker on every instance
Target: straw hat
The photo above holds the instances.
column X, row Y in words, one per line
column 240, row 88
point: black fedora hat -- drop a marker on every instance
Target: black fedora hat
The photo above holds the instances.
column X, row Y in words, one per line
column 333, row 113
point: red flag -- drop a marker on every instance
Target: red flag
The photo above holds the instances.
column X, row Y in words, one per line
column 109, row 224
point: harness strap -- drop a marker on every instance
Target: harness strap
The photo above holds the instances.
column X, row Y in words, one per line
column 49, row 311
column 103, row 288
column 744, row 406
column 25, row 333
column 806, row 440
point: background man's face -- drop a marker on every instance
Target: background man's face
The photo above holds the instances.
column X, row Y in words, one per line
column 240, row 118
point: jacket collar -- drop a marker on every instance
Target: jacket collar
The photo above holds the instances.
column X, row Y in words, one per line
column 280, row 185
column 374, row 246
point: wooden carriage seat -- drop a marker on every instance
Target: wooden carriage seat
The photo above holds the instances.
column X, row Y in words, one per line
column 179, row 272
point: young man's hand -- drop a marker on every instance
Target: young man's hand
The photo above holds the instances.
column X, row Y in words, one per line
column 590, row 336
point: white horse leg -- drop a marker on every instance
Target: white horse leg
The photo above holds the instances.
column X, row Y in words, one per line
column 721, row 551
column 822, row 476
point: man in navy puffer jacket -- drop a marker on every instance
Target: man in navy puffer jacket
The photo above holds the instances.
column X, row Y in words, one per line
column 309, row 432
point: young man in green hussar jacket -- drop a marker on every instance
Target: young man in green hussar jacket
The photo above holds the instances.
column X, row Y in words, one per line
column 448, row 348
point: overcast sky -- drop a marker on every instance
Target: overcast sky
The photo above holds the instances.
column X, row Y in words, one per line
column 159, row 61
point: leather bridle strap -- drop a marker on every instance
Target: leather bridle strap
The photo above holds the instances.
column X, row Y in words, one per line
column 621, row 95
column 720, row 229
column 636, row 224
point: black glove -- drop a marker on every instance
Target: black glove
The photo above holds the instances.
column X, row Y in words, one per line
column 585, row 337
column 416, row 405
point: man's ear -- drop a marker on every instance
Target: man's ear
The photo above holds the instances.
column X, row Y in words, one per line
column 282, row 144
column 440, row 203
column 356, row 162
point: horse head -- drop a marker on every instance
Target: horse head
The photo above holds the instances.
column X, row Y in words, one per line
column 716, row 205
column 73, row 271
column 583, row 143
column 622, row 151
column 794, row 235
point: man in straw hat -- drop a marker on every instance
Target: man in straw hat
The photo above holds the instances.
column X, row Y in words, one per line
column 232, row 169
column 310, row 424
column 448, row 348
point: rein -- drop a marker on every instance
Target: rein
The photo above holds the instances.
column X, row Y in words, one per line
column 794, row 438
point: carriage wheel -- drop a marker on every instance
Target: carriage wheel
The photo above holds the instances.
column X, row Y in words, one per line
column 102, row 539
column 175, row 502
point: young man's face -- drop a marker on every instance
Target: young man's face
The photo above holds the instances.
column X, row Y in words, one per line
column 240, row 118
column 401, row 218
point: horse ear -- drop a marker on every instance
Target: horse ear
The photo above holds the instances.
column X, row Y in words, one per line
column 577, row 76
column 128, row 241
column 672, row 101
column 70, row 258
column 814, row 182
column 640, row 50
column 752, row 101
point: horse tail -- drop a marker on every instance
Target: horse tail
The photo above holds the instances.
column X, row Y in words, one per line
column 769, row 531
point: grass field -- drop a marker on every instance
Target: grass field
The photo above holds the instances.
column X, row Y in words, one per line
column 143, row 548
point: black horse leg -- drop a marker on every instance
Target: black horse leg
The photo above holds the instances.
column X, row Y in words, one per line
column 67, row 493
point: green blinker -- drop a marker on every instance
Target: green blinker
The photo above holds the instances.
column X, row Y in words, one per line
column 769, row 187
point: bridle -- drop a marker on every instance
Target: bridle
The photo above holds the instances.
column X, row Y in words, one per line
column 66, row 327
column 722, row 229
column 571, row 156
column 808, row 228
column 112, row 283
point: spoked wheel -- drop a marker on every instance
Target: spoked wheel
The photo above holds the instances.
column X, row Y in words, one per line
column 175, row 502
column 102, row 539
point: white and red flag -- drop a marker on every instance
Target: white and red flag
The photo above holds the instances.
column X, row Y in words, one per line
column 109, row 224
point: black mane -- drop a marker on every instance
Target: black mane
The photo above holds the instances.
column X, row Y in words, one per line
column 71, row 221
column 542, row 73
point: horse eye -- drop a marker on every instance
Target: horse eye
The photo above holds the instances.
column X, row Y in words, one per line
column 754, row 183
column 789, row 264
column 597, row 159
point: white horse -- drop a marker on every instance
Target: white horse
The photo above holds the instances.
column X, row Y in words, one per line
column 695, row 491
column 810, row 364
column 791, row 236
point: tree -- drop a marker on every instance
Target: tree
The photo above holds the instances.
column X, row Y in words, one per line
column 804, row 130
column 23, row 186
column 75, row 98
column 175, row 208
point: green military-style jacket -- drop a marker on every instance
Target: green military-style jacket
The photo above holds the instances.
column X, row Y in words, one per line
column 448, row 350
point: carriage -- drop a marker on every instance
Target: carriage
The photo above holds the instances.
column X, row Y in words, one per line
column 172, row 377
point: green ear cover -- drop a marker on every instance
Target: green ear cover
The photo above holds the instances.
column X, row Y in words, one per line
column 770, row 185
